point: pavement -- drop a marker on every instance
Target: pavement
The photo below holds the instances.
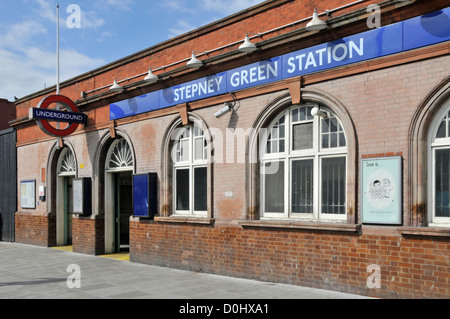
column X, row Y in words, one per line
column 31, row 272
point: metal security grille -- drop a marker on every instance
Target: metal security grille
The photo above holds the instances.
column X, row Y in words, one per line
column 8, row 184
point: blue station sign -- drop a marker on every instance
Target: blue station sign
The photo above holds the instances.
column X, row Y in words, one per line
column 402, row 36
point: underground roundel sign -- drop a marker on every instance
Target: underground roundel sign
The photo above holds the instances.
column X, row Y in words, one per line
column 44, row 115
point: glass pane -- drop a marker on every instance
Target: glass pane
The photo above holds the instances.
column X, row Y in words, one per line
column 182, row 189
column 274, row 133
column 200, row 189
column 281, row 146
column 442, row 176
column 295, row 115
column 342, row 141
column 325, row 141
column 282, row 131
column 325, row 125
column 333, row 185
column 333, row 140
column 441, row 131
column 184, row 150
column 302, row 113
column 302, row 136
column 197, row 131
column 333, row 125
column 274, row 146
column 274, row 187
column 199, row 148
column 302, row 186
column 308, row 113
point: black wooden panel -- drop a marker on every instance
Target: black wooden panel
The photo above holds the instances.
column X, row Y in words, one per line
column 8, row 184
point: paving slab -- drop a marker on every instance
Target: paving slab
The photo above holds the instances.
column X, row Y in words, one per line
column 31, row 272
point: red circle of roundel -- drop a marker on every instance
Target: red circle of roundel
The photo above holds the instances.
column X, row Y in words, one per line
column 46, row 102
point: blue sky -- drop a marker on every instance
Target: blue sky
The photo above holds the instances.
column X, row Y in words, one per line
column 110, row 30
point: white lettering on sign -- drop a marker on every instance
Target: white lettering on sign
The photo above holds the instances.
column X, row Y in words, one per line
column 323, row 56
column 59, row 115
column 255, row 74
column 197, row 90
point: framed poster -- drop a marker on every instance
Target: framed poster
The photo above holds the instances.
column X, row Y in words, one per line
column 381, row 190
column 144, row 195
column 28, row 194
column 81, row 188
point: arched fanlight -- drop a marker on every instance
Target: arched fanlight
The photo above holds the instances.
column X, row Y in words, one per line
column 67, row 164
column 120, row 156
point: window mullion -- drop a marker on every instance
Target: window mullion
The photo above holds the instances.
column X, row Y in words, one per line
column 191, row 169
column 317, row 184
column 287, row 163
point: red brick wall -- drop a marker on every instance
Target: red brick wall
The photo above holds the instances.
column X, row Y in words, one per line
column 88, row 235
column 410, row 267
column 35, row 229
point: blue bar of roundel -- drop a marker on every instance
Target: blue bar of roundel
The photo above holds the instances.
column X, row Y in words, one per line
column 428, row 29
column 356, row 48
column 195, row 90
column 254, row 74
column 135, row 105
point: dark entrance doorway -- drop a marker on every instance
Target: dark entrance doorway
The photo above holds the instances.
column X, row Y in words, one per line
column 123, row 209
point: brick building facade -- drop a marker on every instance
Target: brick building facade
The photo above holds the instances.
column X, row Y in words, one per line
column 219, row 210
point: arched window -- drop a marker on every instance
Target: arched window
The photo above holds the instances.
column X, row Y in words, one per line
column 120, row 156
column 67, row 165
column 189, row 158
column 439, row 168
column 304, row 165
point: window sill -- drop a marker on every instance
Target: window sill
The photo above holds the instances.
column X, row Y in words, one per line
column 425, row 231
column 330, row 227
column 185, row 220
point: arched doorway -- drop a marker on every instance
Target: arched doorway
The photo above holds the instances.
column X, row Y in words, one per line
column 66, row 172
column 119, row 167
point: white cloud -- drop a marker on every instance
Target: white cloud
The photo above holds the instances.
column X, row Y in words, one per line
column 90, row 20
column 27, row 65
column 224, row 7
column 209, row 9
column 20, row 33
column 227, row 6
column 45, row 10
column 124, row 5
column 35, row 69
column 181, row 28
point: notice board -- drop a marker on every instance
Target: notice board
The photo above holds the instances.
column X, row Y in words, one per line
column 381, row 190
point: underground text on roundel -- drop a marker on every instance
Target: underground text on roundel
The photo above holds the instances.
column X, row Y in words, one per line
column 226, row 308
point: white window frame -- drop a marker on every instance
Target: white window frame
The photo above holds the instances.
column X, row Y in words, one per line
column 289, row 155
column 129, row 167
column 191, row 164
column 67, row 154
column 434, row 144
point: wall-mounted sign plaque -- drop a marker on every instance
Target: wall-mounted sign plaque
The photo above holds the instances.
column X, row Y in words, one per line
column 381, row 186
